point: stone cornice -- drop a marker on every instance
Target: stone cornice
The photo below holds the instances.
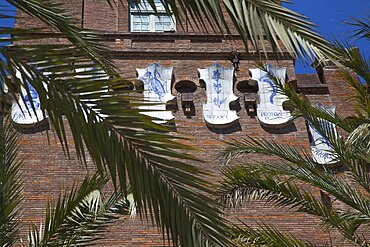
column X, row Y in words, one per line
column 169, row 35
column 194, row 55
column 220, row 46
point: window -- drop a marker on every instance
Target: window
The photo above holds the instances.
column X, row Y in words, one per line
column 143, row 18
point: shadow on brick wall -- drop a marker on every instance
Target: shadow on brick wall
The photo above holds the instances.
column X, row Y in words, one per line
column 40, row 127
column 227, row 129
column 284, row 129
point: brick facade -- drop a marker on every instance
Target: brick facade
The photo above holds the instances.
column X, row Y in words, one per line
column 48, row 172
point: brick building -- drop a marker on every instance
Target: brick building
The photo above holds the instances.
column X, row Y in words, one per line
column 139, row 39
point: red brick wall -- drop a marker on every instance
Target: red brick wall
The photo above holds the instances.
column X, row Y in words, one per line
column 25, row 21
column 48, row 172
column 340, row 92
column 100, row 15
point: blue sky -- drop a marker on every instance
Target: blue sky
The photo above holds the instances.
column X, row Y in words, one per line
column 6, row 9
column 328, row 15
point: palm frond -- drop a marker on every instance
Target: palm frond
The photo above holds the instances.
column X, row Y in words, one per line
column 54, row 15
column 358, row 151
column 356, row 61
column 109, row 125
column 307, row 170
column 360, row 139
column 262, row 146
column 265, row 24
column 362, row 27
column 277, row 185
column 351, row 154
column 344, row 152
column 10, row 183
column 78, row 217
column 301, row 107
column 275, row 182
column 266, row 235
column 112, row 128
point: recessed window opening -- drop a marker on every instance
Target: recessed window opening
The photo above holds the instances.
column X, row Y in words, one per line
column 144, row 19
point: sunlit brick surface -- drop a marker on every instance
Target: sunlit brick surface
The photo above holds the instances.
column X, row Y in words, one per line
column 48, row 172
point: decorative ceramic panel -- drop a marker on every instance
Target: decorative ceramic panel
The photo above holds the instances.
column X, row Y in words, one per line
column 321, row 150
column 98, row 73
column 92, row 74
column 22, row 112
column 219, row 86
column 270, row 104
column 157, row 88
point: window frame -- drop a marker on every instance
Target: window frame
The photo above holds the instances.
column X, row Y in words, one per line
column 152, row 19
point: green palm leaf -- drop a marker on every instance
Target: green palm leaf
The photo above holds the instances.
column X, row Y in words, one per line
column 277, row 184
column 54, row 15
column 10, row 184
column 113, row 131
column 109, row 125
column 266, row 235
column 79, row 217
column 266, row 24
column 362, row 27
column 360, row 64
column 277, row 181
